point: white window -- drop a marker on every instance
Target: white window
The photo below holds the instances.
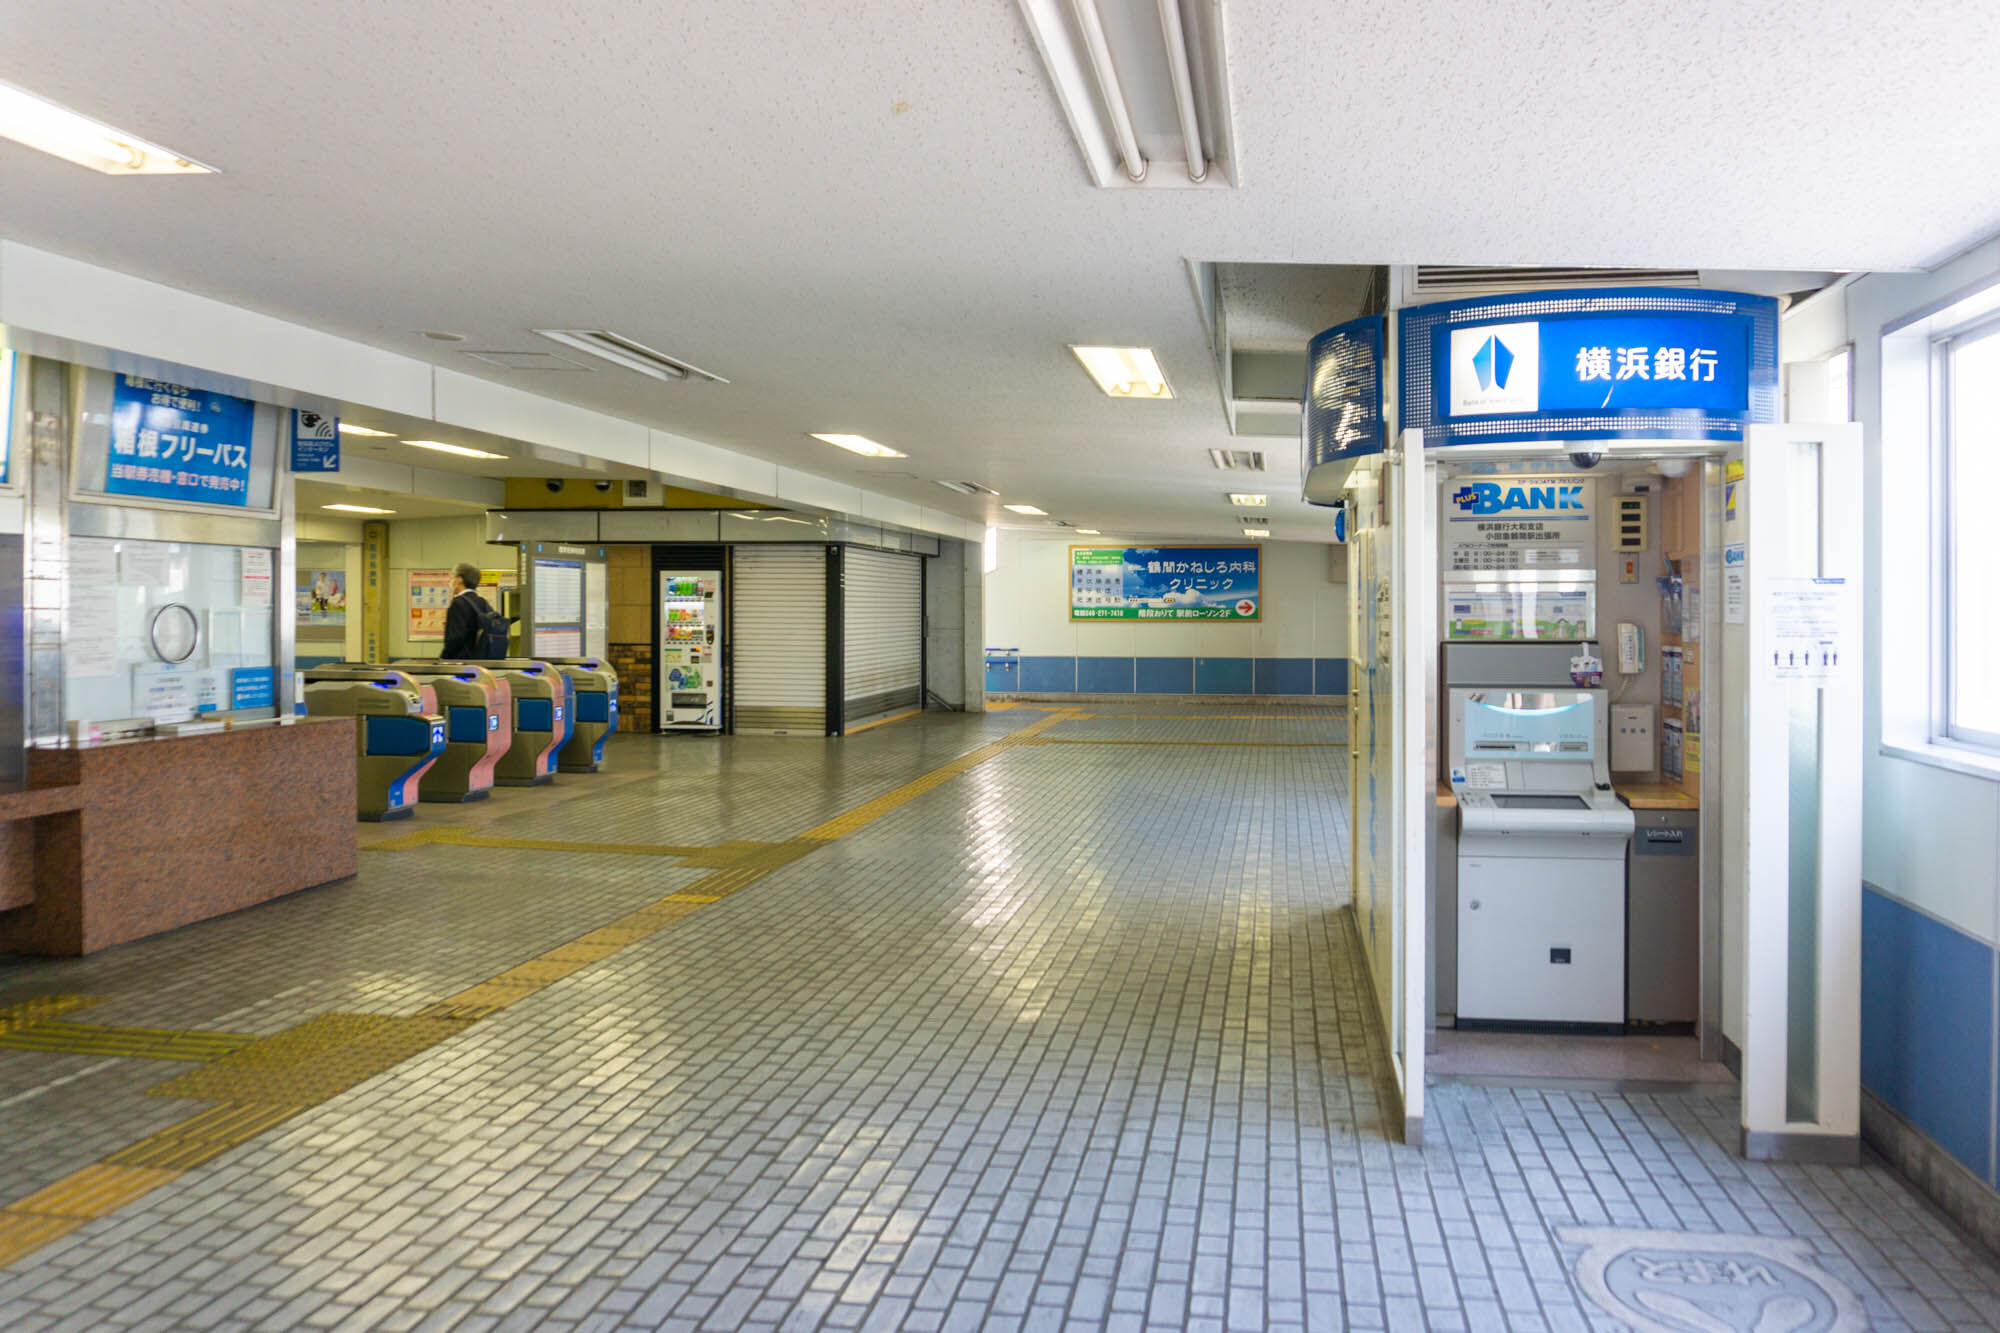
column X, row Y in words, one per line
column 1968, row 478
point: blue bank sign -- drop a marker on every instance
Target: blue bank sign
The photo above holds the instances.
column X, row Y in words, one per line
column 170, row 442
column 1484, row 498
column 1643, row 362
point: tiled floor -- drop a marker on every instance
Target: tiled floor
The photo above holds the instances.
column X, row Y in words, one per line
column 1066, row 1034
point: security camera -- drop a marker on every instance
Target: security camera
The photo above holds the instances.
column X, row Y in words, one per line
column 602, row 486
column 553, row 483
column 1586, row 458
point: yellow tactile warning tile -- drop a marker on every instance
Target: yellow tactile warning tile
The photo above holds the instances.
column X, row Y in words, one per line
column 29, row 1013
column 883, row 722
column 721, row 854
column 1227, row 745
column 202, row 1137
column 262, row 1082
column 140, row 1043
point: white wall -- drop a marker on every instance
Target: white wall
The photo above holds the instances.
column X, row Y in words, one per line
column 1931, row 836
column 432, row 543
column 1027, row 607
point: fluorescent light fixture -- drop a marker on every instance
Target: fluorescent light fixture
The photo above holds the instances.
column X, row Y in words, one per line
column 358, row 509
column 1088, row 532
column 439, row 446
column 346, row 429
column 1253, row 501
column 1026, row 509
column 1231, row 460
column 782, row 518
column 1256, row 532
column 1125, row 372
column 630, row 353
column 74, row 137
column 860, row 444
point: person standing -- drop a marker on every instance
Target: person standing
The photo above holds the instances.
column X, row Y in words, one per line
column 465, row 622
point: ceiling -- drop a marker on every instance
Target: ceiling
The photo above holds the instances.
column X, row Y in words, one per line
column 871, row 217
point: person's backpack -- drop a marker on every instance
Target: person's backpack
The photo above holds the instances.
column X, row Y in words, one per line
column 492, row 630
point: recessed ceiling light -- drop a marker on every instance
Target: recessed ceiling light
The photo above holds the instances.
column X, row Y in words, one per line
column 1025, row 509
column 1254, row 501
column 441, row 447
column 1256, row 532
column 75, row 137
column 1231, row 460
column 860, row 444
column 347, row 429
column 968, row 488
column 1089, row 532
column 358, row 509
column 1125, row 372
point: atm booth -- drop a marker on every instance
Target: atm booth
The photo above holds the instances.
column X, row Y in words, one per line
column 398, row 731
column 1605, row 714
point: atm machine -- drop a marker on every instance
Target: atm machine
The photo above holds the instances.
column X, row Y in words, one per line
column 1541, row 858
column 398, row 732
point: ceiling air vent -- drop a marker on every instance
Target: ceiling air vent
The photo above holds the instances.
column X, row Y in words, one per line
column 968, row 488
column 622, row 351
column 643, row 493
column 1237, row 460
column 528, row 361
column 1473, row 279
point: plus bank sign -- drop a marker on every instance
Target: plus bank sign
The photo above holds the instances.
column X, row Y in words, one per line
column 1493, row 363
column 1485, row 497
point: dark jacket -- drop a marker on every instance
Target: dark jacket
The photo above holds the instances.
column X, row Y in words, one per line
column 464, row 635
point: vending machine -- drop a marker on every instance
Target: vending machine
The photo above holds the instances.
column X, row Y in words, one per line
column 690, row 690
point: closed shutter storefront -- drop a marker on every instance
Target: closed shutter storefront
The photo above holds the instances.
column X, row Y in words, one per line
column 882, row 653
column 778, row 631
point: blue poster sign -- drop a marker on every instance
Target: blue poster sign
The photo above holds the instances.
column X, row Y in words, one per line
column 1579, row 363
column 1643, row 363
column 170, row 442
column 315, row 442
column 253, row 687
column 1343, row 392
column 1164, row 583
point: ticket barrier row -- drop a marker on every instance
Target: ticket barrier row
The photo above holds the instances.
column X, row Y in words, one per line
column 450, row 731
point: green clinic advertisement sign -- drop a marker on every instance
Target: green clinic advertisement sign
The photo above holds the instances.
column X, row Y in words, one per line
column 1164, row 583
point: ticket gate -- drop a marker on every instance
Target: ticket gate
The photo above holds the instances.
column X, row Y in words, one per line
column 595, row 712
column 543, row 717
column 478, row 728
column 398, row 732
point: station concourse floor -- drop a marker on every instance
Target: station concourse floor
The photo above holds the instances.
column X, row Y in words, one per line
column 1040, row 1018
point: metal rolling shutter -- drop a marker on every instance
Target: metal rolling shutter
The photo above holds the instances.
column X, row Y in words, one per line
column 883, row 652
column 778, row 630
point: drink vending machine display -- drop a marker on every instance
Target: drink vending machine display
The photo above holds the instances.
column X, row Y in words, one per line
column 691, row 651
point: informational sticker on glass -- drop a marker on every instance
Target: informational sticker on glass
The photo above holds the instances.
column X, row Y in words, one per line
column 315, row 442
column 164, row 693
column 1520, row 611
column 1806, row 638
column 90, row 640
column 559, row 642
column 253, row 687
column 146, row 564
column 1735, row 583
column 1164, row 583
column 430, row 599
column 1499, row 526
column 256, row 577
column 171, row 442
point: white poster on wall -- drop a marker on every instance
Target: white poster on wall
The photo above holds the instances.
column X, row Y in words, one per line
column 1520, row 526
column 146, row 564
column 1806, row 639
column 90, row 643
column 1735, row 583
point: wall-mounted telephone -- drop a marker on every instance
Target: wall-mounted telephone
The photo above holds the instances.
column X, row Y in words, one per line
column 1631, row 649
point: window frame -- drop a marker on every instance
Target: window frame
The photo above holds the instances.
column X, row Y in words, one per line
column 1945, row 679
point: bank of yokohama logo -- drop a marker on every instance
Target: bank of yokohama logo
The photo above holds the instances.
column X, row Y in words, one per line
column 1492, row 363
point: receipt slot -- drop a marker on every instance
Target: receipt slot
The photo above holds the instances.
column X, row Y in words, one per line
column 398, row 733
column 478, row 728
column 542, row 719
column 594, row 711
column 1541, row 859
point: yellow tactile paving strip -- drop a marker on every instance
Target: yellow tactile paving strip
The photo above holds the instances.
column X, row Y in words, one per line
column 258, row 1083
column 142, row 1043
column 1226, row 745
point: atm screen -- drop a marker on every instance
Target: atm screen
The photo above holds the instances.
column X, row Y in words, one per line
column 1531, row 724
column 1517, row 801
